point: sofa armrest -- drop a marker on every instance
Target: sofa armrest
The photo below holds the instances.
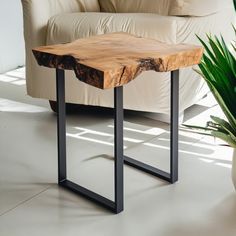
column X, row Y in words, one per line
column 215, row 24
column 37, row 13
column 198, row 7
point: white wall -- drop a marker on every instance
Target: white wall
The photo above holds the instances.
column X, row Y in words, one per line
column 11, row 35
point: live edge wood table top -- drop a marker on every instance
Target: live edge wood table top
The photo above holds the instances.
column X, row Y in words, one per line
column 112, row 60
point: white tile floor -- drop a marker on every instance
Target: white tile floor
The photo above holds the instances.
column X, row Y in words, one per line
column 202, row 203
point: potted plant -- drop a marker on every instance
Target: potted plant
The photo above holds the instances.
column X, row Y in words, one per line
column 218, row 68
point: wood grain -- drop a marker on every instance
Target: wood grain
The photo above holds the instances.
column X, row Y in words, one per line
column 112, row 60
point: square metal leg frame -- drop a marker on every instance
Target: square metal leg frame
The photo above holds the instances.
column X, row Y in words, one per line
column 117, row 205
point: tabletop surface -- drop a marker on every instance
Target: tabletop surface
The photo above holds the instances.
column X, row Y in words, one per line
column 112, row 60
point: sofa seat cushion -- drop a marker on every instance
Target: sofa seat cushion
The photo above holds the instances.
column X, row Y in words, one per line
column 135, row 6
column 67, row 27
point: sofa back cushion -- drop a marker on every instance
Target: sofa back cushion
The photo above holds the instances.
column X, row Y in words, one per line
column 197, row 7
column 89, row 5
column 132, row 6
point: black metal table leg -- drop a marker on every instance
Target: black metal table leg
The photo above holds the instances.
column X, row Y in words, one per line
column 61, row 125
column 119, row 149
column 174, row 155
column 116, row 205
column 171, row 177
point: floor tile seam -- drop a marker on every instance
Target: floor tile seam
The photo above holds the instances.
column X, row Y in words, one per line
column 26, row 200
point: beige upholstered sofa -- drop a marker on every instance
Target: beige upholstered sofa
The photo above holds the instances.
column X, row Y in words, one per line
column 171, row 21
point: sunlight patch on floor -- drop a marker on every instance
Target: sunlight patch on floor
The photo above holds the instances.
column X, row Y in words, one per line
column 7, row 105
column 16, row 77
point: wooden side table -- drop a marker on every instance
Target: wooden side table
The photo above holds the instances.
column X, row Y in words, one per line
column 111, row 61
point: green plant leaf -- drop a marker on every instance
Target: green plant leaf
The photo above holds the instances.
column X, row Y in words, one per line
column 225, row 138
column 195, row 127
column 218, row 68
column 224, row 124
